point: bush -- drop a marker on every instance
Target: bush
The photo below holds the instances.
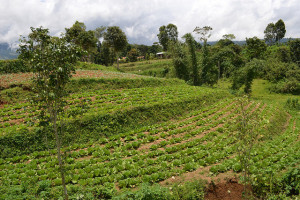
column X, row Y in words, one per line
column 286, row 86
column 12, row 66
column 189, row 191
column 291, row 182
column 292, row 104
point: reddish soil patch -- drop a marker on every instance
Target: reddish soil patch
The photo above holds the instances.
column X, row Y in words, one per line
column 84, row 158
column 16, row 121
column 229, row 190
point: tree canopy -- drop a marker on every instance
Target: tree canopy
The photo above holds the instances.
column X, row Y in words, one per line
column 204, row 32
column 274, row 32
column 116, row 39
column 85, row 39
column 255, row 48
column 166, row 34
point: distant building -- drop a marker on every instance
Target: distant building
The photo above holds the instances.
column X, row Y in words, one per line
column 161, row 54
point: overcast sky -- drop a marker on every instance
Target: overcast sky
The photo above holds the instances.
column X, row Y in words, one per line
column 141, row 19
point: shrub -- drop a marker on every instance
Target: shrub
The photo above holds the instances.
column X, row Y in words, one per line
column 43, row 186
column 291, row 182
column 12, row 66
column 189, row 191
column 286, row 86
column 292, row 104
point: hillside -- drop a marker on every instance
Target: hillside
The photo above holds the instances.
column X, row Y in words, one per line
column 122, row 130
column 6, row 52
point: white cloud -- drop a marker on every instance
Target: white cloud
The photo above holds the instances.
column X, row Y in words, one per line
column 141, row 19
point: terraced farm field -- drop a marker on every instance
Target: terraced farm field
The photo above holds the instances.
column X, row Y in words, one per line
column 201, row 140
column 20, row 78
column 123, row 130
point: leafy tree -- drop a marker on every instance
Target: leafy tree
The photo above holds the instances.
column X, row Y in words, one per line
column 143, row 49
column 280, row 30
column 280, row 53
column 245, row 75
column 270, row 34
column 247, row 135
column 116, row 39
column 106, row 56
column 276, row 70
column 155, row 48
column 85, row 39
column 229, row 36
column 52, row 59
column 73, row 33
column 223, row 58
column 295, row 50
column 255, row 48
column 133, row 54
column 226, row 55
column 163, row 37
column 88, row 41
column 189, row 39
column 179, row 59
column 209, row 73
column 204, row 32
column 166, row 34
column 224, row 42
column 275, row 32
column 99, row 32
column 172, row 32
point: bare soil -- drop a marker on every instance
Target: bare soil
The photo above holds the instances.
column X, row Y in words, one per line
column 229, row 190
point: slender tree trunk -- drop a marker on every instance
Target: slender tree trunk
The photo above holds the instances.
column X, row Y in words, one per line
column 58, row 143
column 118, row 63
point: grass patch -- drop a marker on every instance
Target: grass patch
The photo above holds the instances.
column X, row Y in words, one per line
column 156, row 68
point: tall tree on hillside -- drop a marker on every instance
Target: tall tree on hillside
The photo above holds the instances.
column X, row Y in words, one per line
column 229, row 36
column 163, row 37
column 280, row 30
column 270, row 34
column 189, row 39
column 133, row 54
column 180, row 60
column 85, row 39
column 209, row 73
column 116, row 39
column 226, row 41
column 204, row 32
column 172, row 32
column 99, row 32
column 72, row 33
column 52, row 59
column 275, row 32
column 166, row 34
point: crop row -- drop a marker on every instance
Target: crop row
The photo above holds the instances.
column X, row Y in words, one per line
column 101, row 101
column 115, row 162
column 201, row 116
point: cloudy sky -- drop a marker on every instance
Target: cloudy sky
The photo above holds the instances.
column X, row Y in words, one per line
column 141, row 19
